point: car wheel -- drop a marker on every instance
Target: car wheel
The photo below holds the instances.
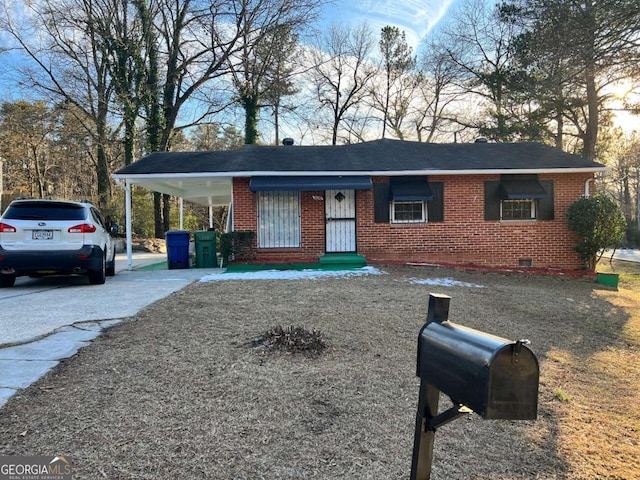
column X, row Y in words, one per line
column 97, row 277
column 7, row 281
column 110, row 269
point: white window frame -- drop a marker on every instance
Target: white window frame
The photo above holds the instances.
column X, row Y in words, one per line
column 423, row 205
column 279, row 223
column 534, row 210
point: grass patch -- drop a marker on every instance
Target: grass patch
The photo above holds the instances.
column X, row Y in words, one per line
column 629, row 272
column 561, row 395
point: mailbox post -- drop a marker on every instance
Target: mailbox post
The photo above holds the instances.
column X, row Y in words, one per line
column 491, row 376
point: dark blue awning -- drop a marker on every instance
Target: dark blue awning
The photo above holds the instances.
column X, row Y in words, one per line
column 407, row 189
column 521, row 189
column 357, row 182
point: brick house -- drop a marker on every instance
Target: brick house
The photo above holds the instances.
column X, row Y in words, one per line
column 491, row 204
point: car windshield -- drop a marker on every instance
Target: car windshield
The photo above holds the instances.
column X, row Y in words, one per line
column 44, row 211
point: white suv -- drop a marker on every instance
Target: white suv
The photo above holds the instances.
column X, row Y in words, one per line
column 49, row 237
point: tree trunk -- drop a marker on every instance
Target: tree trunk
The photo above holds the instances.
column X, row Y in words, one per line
column 166, row 209
column 129, row 137
column 276, row 121
column 591, row 133
column 251, row 106
column 102, row 168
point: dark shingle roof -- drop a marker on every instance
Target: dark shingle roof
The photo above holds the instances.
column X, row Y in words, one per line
column 376, row 156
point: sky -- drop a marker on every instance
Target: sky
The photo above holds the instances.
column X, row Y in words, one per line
column 415, row 17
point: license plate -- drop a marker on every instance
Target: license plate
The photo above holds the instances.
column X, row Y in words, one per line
column 42, row 235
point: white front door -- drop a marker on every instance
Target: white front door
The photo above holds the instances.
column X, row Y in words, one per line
column 340, row 219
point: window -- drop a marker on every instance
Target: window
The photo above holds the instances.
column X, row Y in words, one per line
column 278, row 219
column 408, row 212
column 408, row 200
column 519, row 197
column 518, row 210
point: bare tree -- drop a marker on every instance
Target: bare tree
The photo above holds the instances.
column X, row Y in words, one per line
column 342, row 73
column 121, row 40
column 267, row 34
column 27, row 133
column 478, row 46
column 60, row 38
column 432, row 115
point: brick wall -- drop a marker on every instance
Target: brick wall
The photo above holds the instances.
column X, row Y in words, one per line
column 463, row 238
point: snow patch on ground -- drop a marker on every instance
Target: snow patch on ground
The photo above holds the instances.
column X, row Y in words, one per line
column 444, row 282
column 291, row 274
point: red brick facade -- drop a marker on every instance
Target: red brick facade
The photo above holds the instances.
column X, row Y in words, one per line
column 464, row 237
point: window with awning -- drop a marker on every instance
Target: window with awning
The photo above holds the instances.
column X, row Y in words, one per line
column 407, row 189
column 308, row 183
column 519, row 197
column 521, row 189
column 409, row 199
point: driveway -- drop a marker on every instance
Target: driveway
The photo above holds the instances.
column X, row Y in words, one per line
column 45, row 320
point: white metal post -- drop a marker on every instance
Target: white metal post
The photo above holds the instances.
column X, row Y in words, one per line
column 127, row 197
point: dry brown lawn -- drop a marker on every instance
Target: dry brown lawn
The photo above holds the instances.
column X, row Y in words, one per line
column 178, row 392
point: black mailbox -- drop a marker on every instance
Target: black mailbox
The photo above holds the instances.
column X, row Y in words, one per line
column 489, row 375
column 493, row 376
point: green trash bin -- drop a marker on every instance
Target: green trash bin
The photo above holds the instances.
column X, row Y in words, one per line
column 205, row 249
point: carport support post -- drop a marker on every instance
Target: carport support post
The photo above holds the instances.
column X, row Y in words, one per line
column 423, row 441
column 127, row 203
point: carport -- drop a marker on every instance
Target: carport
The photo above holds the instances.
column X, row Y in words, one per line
column 204, row 188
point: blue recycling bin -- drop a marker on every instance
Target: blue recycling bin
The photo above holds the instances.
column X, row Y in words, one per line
column 177, row 242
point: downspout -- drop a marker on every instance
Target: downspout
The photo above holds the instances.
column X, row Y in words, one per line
column 229, row 226
column 586, row 187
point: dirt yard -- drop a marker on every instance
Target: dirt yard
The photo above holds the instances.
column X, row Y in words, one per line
column 179, row 392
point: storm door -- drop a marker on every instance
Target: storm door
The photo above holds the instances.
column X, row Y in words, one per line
column 340, row 219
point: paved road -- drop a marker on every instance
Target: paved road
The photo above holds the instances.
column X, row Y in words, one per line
column 45, row 320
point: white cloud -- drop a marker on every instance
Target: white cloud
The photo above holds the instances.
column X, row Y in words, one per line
column 415, row 17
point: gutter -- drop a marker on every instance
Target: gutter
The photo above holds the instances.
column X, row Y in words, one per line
column 347, row 173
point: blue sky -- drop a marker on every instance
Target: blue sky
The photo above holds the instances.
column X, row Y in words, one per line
column 415, row 17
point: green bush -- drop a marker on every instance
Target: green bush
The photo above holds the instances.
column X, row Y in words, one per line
column 599, row 223
column 237, row 245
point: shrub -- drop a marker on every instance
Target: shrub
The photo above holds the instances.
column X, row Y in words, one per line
column 237, row 245
column 599, row 223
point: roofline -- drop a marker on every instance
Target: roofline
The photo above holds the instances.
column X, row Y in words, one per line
column 346, row 173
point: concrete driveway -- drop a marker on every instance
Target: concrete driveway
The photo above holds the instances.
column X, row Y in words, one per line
column 45, row 320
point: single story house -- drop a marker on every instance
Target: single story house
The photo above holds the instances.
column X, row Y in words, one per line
column 491, row 204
